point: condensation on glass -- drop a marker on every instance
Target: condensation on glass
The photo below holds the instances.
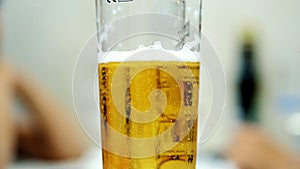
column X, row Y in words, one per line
column 188, row 13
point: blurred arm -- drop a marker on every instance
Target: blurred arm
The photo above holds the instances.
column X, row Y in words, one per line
column 51, row 133
column 7, row 125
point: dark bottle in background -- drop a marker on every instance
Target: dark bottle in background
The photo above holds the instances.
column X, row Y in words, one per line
column 248, row 80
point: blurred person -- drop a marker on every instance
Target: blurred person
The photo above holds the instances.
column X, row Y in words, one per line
column 47, row 133
column 252, row 148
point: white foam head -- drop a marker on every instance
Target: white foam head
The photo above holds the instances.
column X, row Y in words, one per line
column 184, row 55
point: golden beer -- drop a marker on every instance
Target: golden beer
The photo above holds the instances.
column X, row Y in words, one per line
column 140, row 80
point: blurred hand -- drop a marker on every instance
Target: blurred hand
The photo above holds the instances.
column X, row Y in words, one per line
column 253, row 149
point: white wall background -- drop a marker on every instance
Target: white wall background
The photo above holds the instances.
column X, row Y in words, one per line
column 45, row 36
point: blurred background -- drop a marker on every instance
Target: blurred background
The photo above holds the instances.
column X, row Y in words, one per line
column 46, row 36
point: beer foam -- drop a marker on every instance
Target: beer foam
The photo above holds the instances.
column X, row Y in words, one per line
column 183, row 55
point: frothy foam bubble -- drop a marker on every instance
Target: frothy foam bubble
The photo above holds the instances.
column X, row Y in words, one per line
column 185, row 55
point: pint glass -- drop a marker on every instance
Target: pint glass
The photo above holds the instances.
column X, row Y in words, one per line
column 149, row 82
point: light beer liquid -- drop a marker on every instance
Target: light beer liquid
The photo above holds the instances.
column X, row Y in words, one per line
column 139, row 87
